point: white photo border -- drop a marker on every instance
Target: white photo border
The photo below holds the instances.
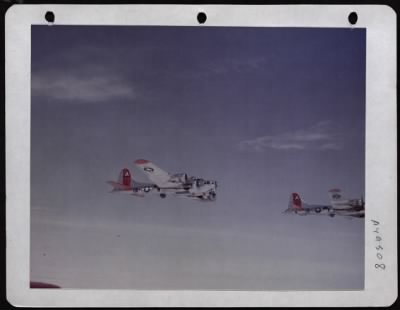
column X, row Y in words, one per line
column 381, row 148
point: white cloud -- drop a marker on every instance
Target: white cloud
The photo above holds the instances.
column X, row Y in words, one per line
column 89, row 84
column 321, row 136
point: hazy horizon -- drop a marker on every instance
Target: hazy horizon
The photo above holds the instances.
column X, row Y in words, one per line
column 264, row 111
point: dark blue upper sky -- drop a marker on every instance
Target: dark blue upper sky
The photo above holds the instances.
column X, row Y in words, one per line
column 265, row 111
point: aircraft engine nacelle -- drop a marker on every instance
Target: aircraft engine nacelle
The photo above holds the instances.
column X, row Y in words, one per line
column 212, row 195
column 356, row 202
column 180, row 178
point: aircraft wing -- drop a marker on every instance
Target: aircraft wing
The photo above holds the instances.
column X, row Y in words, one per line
column 154, row 173
column 352, row 213
column 318, row 207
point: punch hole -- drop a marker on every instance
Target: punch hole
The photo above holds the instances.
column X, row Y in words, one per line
column 201, row 17
column 353, row 18
column 49, row 17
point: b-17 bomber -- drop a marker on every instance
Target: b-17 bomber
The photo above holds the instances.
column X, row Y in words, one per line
column 339, row 206
column 164, row 183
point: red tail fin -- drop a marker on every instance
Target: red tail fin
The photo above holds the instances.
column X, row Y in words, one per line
column 125, row 177
column 296, row 201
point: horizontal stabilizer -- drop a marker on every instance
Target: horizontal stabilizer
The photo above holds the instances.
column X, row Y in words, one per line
column 118, row 186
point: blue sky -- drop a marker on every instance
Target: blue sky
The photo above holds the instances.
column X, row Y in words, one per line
column 264, row 111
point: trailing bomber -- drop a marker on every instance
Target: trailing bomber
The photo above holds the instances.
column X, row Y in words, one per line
column 339, row 206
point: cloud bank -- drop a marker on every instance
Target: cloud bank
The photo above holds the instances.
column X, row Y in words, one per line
column 321, row 137
column 82, row 85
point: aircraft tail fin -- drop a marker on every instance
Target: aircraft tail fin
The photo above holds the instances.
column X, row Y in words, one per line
column 125, row 177
column 124, row 181
column 295, row 203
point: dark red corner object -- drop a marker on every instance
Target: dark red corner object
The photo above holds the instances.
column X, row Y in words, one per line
column 42, row 285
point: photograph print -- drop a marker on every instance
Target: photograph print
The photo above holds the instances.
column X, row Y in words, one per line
column 197, row 158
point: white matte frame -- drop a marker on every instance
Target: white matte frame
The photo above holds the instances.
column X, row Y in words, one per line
column 381, row 161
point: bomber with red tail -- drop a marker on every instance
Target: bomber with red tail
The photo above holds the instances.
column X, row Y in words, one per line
column 338, row 206
column 164, row 183
column 299, row 207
